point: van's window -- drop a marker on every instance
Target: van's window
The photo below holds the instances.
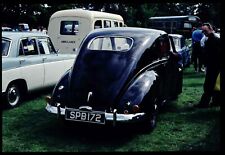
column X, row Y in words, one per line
column 28, row 47
column 167, row 24
column 98, row 24
column 115, row 24
column 5, row 47
column 69, row 27
column 45, row 46
column 111, row 44
column 107, row 23
column 121, row 24
column 158, row 24
column 174, row 24
column 187, row 25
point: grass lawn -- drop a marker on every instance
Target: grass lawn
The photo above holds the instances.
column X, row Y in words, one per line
column 30, row 128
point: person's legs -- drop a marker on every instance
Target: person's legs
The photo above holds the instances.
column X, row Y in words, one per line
column 199, row 56
column 199, row 62
column 216, row 99
column 208, row 87
column 194, row 57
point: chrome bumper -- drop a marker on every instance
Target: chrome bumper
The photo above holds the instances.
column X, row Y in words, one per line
column 108, row 116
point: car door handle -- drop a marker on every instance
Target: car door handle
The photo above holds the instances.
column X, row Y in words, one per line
column 44, row 58
column 22, row 60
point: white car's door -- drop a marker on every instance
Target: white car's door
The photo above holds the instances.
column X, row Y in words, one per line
column 55, row 65
column 31, row 64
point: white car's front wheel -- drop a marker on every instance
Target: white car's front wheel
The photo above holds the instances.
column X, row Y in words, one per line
column 13, row 95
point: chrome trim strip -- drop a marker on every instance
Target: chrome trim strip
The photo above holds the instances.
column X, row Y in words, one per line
column 53, row 109
column 89, row 95
column 108, row 116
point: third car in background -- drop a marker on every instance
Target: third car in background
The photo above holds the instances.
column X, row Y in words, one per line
column 182, row 48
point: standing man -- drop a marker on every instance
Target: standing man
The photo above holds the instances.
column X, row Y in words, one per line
column 212, row 62
column 196, row 49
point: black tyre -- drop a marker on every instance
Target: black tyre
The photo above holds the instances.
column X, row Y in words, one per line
column 152, row 122
column 13, row 95
column 149, row 124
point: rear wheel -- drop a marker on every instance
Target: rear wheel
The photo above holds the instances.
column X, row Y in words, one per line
column 152, row 110
column 151, row 123
column 13, row 95
column 148, row 124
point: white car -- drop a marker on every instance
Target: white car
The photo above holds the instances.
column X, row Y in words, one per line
column 6, row 29
column 30, row 62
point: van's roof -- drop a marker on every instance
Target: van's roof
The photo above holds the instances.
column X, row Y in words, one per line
column 174, row 17
column 85, row 14
column 176, row 35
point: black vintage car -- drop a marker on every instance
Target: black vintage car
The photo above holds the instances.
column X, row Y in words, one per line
column 120, row 75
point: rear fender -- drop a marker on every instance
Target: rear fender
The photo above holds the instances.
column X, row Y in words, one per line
column 138, row 90
column 61, row 89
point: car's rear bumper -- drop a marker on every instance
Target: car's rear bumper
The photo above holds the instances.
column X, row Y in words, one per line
column 114, row 117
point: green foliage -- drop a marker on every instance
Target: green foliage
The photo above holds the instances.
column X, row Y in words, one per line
column 30, row 128
column 133, row 14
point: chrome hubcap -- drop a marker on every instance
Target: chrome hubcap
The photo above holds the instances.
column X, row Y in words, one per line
column 13, row 95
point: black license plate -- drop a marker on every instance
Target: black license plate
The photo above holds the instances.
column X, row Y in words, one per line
column 85, row 116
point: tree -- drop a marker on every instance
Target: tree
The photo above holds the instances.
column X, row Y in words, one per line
column 210, row 12
column 133, row 14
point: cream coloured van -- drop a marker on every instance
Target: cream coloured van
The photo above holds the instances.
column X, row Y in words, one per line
column 67, row 28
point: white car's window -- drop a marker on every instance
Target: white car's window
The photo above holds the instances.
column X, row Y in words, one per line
column 5, row 47
column 28, row 47
column 45, row 46
column 121, row 44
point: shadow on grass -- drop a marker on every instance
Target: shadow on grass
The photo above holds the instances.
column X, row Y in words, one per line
column 212, row 141
column 206, row 123
column 50, row 133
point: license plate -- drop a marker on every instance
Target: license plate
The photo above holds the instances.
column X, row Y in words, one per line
column 85, row 116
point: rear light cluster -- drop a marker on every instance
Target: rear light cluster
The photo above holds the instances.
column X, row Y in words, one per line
column 133, row 109
column 48, row 99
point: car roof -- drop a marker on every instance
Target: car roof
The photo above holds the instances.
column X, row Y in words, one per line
column 176, row 35
column 17, row 35
column 137, row 30
column 79, row 12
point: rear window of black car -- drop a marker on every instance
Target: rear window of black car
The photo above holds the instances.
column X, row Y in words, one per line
column 121, row 44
